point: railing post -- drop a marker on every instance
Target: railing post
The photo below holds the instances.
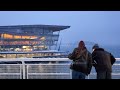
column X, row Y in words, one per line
column 70, row 74
column 23, row 65
column 20, row 71
column 88, row 77
column 27, row 71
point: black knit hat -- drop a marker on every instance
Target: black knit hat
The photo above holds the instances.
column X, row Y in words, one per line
column 95, row 46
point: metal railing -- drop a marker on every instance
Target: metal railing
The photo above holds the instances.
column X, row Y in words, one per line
column 115, row 71
column 10, row 71
column 48, row 71
column 35, row 68
column 44, row 68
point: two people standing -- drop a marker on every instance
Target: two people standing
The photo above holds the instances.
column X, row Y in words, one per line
column 99, row 58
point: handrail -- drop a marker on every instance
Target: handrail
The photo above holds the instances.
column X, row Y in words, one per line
column 35, row 59
column 39, row 59
column 23, row 65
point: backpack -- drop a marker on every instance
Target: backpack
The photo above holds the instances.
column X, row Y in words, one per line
column 80, row 64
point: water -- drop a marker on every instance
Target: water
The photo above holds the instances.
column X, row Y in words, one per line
column 115, row 50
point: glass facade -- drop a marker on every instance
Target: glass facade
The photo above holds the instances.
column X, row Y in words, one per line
column 29, row 37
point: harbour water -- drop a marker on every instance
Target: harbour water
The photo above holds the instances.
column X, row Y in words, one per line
column 114, row 49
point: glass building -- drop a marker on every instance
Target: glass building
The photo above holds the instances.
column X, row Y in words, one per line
column 29, row 37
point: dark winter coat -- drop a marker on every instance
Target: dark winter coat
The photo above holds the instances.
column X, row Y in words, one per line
column 102, row 60
column 73, row 56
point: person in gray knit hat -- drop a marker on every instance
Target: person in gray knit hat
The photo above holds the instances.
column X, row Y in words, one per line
column 95, row 46
column 102, row 61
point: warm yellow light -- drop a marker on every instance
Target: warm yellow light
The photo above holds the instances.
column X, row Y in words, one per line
column 10, row 36
column 42, row 38
column 33, row 37
column 7, row 36
column 17, row 37
column 24, row 46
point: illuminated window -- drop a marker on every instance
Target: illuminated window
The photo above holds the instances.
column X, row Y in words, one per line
column 7, row 36
column 17, row 37
column 25, row 37
column 33, row 37
column 42, row 38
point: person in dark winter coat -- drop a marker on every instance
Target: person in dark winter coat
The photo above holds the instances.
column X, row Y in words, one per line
column 102, row 61
column 78, row 54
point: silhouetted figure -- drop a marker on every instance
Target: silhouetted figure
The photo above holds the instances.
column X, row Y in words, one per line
column 102, row 61
column 83, row 57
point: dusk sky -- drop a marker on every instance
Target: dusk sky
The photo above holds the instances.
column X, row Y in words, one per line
column 102, row 27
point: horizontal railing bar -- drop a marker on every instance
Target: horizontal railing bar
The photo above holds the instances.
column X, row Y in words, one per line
column 11, row 64
column 47, row 64
column 48, row 73
column 39, row 59
column 35, row 59
column 10, row 73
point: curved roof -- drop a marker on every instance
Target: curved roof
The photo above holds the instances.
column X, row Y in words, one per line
column 30, row 29
column 46, row 27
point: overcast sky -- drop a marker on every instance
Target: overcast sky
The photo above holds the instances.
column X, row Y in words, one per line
column 102, row 27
